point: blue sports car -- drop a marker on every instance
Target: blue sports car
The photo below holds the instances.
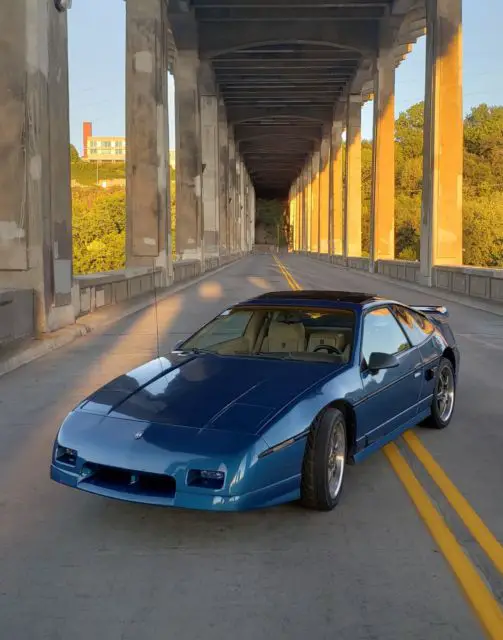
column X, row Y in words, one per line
column 265, row 404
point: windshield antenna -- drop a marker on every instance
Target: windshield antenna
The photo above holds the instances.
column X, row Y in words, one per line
column 155, row 311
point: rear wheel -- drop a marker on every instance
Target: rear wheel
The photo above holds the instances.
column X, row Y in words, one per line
column 324, row 462
column 444, row 396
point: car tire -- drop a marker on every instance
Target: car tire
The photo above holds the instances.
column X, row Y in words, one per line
column 323, row 468
column 444, row 396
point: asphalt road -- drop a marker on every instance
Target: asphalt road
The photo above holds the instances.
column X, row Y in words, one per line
column 76, row 566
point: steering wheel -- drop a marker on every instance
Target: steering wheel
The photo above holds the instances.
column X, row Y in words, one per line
column 328, row 348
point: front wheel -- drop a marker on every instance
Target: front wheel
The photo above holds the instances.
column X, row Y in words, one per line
column 444, row 396
column 324, row 462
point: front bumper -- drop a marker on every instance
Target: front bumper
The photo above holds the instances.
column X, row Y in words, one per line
column 286, row 490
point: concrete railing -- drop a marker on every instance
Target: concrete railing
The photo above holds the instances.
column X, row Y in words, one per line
column 95, row 291
column 475, row 282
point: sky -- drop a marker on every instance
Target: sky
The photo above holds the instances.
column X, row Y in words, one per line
column 97, row 66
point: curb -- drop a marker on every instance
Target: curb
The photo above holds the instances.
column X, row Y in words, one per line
column 34, row 348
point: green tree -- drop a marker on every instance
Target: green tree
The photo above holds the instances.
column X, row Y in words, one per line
column 74, row 154
column 99, row 231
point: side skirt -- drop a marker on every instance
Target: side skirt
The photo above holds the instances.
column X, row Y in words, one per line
column 379, row 444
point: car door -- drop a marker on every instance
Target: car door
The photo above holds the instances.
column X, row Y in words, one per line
column 390, row 396
column 422, row 334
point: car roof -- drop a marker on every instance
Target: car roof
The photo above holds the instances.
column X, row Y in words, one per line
column 307, row 297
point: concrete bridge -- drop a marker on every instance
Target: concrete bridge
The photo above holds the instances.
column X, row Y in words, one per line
column 265, row 90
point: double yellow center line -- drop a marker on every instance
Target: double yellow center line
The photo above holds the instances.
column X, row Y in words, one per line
column 474, row 587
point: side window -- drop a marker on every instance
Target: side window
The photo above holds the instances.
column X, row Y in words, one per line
column 416, row 326
column 382, row 333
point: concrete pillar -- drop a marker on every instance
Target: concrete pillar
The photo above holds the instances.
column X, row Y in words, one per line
column 315, row 218
column 244, row 219
column 232, row 193
column 300, row 212
column 309, row 206
column 382, row 213
column 189, row 203
column 148, row 226
column 210, row 161
column 35, row 198
column 223, row 178
column 324, row 205
column 252, row 215
column 352, row 238
column 292, row 203
column 337, row 190
column 441, row 219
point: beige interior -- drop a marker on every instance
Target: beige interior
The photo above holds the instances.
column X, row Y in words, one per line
column 330, row 339
column 284, row 337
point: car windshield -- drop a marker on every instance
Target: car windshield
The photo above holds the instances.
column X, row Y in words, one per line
column 292, row 333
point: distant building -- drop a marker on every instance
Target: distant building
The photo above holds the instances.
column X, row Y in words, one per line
column 107, row 148
column 102, row 148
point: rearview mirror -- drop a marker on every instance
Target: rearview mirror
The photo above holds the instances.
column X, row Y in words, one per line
column 378, row 361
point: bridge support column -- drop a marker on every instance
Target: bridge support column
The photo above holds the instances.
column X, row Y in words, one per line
column 189, row 201
column 241, row 206
column 324, row 193
column 442, row 219
column 148, row 224
column 35, row 198
column 382, row 215
column 309, row 206
column 315, row 194
column 210, row 162
column 337, row 190
column 223, row 178
column 232, row 193
column 352, row 239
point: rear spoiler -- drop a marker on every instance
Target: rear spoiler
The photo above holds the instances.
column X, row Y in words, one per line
column 432, row 310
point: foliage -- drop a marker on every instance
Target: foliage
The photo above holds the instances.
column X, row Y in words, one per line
column 482, row 188
column 272, row 215
column 99, row 230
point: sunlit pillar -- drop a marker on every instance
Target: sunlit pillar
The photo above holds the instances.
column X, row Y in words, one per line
column 309, row 206
column 337, row 189
column 324, row 205
column 315, row 195
column 382, row 213
column 292, row 213
column 352, row 238
column 189, row 202
column 441, row 219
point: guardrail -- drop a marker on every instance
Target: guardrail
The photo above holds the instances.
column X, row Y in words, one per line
column 475, row 282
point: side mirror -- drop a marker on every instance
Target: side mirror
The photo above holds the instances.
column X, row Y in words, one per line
column 177, row 345
column 378, row 361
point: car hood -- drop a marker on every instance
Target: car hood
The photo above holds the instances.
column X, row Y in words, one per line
column 207, row 391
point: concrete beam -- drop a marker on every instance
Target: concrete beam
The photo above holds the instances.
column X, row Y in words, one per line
column 216, row 40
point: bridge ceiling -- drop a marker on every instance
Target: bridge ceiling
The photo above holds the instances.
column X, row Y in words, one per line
column 281, row 67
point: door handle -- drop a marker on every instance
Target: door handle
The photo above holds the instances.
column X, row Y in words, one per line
column 417, row 373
